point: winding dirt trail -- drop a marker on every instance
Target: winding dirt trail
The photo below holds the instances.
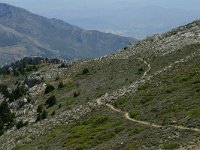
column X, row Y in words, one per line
column 127, row 115
column 149, row 67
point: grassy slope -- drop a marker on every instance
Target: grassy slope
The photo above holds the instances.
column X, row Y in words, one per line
column 169, row 98
column 104, row 129
column 99, row 80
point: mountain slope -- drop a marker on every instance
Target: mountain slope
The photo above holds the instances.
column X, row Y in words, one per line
column 14, row 45
column 145, row 96
column 53, row 36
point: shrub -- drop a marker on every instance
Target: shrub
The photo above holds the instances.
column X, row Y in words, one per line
column 4, row 90
column 49, row 88
column 40, row 109
column 140, row 69
column 53, row 113
column 76, row 94
column 21, row 124
column 22, row 70
column 51, row 101
column 19, row 92
column 125, row 48
column 145, row 100
column 16, row 93
column 134, row 113
column 143, row 87
column 62, row 65
column 6, row 117
column 15, row 73
column 59, row 106
column 29, row 99
column 61, row 85
column 38, row 117
column 44, row 114
column 57, row 78
column 194, row 112
column 119, row 102
column 171, row 146
column 85, row 71
column 100, row 120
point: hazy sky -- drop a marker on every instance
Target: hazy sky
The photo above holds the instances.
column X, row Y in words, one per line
column 106, row 15
column 43, row 5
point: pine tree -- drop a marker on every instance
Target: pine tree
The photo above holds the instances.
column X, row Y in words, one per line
column 49, row 88
column 44, row 114
column 51, row 101
column 6, row 117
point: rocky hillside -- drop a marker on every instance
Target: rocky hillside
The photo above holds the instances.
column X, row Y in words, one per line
column 23, row 33
column 145, row 96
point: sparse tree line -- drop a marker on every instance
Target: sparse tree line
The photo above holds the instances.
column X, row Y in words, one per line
column 29, row 64
column 21, row 70
column 15, row 94
column 6, row 117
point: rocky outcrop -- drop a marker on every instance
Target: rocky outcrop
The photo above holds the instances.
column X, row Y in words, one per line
column 33, row 80
column 32, row 131
column 37, row 89
column 24, row 110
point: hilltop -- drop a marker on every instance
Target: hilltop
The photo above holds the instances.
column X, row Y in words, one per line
column 145, row 96
column 23, row 33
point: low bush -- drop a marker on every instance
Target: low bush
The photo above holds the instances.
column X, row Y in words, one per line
column 85, row 71
column 51, row 101
column 49, row 88
column 21, row 124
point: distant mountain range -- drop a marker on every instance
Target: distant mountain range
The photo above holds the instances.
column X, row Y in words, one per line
column 23, row 33
column 135, row 18
column 135, row 21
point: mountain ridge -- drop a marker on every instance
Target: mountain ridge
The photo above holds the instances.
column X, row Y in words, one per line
column 54, row 36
